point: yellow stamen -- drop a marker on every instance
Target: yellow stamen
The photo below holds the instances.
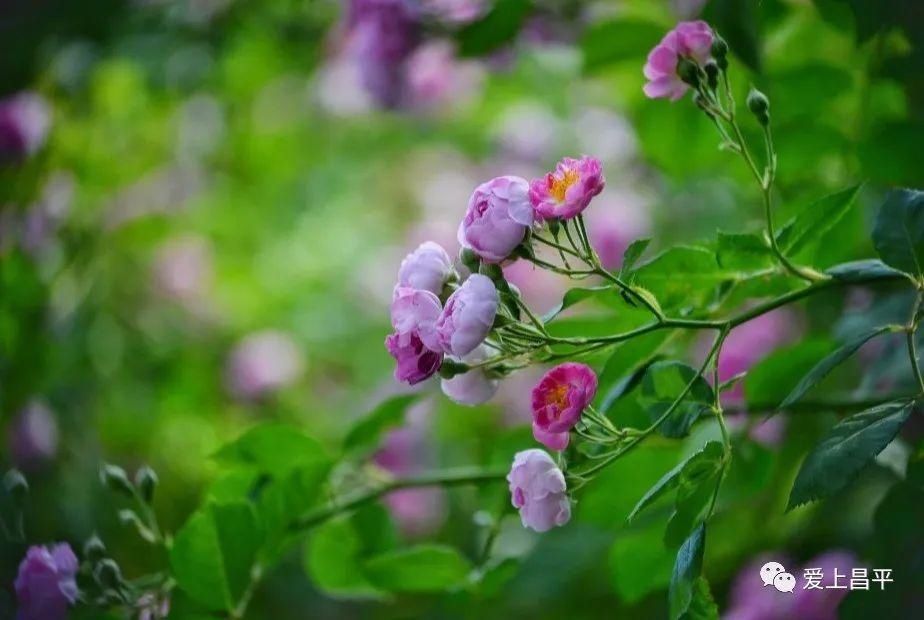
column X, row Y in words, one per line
column 558, row 186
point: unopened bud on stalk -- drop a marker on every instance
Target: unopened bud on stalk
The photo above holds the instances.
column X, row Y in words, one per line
column 688, row 72
column 94, row 550
column 720, row 52
column 450, row 368
column 146, row 482
column 114, row 477
column 759, row 106
column 16, row 485
column 107, row 573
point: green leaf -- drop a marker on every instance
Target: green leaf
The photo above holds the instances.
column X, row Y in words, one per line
column 683, row 276
column 286, row 498
column 631, row 256
column 336, row 551
column 899, row 231
column 424, row 568
column 577, row 295
column 214, row 552
column 863, row 271
column 366, row 434
column 770, row 380
column 663, row 382
column 639, row 564
column 496, row 576
column 744, row 252
column 830, row 362
column 687, row 569
column 806, row 230
column 273, row 448
column 495, row 29
column 846, row 449
column 702, row 606
column 688, row 473
column 618, row 40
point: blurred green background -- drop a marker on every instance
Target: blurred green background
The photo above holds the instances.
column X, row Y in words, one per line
column 209, row 235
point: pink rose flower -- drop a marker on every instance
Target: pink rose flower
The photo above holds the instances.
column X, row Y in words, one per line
column 427, row 268
column 559, row 399
column 497, row 218
column 567, row 191
column 416, row 362
column 691, row 40
column 473, row 387
column 538, row 491
column 416, row 311
column 468, row 316
column 46, row 585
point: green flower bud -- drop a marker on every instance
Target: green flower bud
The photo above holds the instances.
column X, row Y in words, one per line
column 759, row 106
column 719, row 47
column 114, row 478
column 94, row 550
column 492, row 271
column 468, row 258
column 450, row 368
column 688, row 72
column 146, row 482
column 712, row 74
column 554, row 227
column 107, row 573
column 16, row 485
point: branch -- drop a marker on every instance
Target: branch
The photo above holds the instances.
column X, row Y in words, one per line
column 446, row 478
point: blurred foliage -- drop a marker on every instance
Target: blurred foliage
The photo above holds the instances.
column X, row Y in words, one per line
column 204, row 125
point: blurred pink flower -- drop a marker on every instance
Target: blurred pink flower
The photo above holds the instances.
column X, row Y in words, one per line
column 617, row 219
column 381, row 36
column 33, row 436
column 46, row 583
column 528, row 131
column 745, row 346
column 422, row 511
column 455, row 12
column 692, row 40
column 750, row 599
column 540, row 289
column 182, row 270
column 25, row 119
column 437, row 78
column 567, row 191
column 263, row 363
column 41, row 221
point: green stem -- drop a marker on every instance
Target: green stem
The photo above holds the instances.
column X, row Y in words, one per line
column 449, row 477
column 676, row 403
column 912, row 348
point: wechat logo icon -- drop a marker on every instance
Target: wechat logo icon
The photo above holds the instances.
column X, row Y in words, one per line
column 774, row 574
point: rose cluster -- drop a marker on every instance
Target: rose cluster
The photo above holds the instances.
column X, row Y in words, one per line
column 442, row 310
